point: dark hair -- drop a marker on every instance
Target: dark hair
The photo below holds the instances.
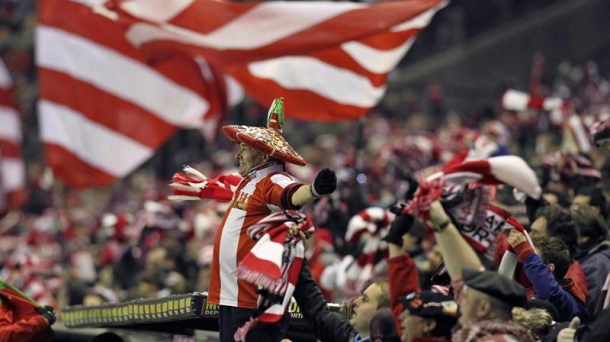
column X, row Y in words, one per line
column 444, row 327
column 589, row 223
column 155, row 277
column 559, row 223
column 596, row 199
column 553, row 250
column 562, row 199
column 383, row 327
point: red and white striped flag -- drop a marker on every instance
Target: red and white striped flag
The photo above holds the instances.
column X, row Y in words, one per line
column 329, row 60
column 12, row 171
column 103, row 111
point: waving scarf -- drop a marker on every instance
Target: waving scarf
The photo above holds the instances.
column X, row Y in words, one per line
column 466, row 187
column 194, row 185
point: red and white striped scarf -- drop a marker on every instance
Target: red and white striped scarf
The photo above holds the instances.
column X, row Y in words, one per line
column 465, row 188
column 496, row 330
column 273, row 264
column 367, row 226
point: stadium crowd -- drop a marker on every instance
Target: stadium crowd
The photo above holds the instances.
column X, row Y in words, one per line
column 70, row 247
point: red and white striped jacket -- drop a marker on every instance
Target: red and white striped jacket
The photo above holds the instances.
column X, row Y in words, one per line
column 268, row 188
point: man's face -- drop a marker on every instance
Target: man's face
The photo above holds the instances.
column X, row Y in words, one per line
column 365, row 307
column 435, row 257
column 248, row 158
column 538, row 228
column 471, row 305
column 412, row 326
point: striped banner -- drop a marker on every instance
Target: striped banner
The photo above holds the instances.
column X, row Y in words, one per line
column 103, row 111
column 329, row 60
column 12, row 170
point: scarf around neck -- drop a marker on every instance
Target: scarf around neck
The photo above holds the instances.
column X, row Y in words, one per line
column 273, row 264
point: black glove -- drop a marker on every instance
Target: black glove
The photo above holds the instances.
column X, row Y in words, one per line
column 413, row 186
column 397, row 208
column 399, row 227
column 325, row 183
column 48, row 313
column 532, row 206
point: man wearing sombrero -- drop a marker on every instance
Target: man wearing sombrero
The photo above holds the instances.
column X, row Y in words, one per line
column 266, row 187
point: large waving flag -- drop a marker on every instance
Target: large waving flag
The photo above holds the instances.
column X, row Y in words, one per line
column 330, row 60
column 103, row 111
column 12, row 171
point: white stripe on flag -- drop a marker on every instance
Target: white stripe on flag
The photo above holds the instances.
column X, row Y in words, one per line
column 5, row 77
column 421, row 20
column 89, row 3
column 156, row 10
column 13, row 174
column 306, row 73
column 93, row 143
column 277, row 20
column 119, row 75
column 10, row 129
column 235, row 92
column 374, row 60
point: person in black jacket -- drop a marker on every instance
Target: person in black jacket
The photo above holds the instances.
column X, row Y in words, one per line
column 330, row 326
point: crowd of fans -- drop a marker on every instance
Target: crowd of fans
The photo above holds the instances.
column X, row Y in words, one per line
column 127, row 241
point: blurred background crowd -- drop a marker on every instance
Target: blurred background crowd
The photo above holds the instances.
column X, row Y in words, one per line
column 126, row 241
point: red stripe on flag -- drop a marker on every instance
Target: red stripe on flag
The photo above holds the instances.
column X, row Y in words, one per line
column 104, row 108
column 215, row 13
column 6, row 96
column 9, row 149
column 300, row 104
column 68, row 166
column 390, row 40
column 81, row 21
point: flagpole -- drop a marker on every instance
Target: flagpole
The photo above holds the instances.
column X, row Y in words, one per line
column 359, row 198
column 28, row 299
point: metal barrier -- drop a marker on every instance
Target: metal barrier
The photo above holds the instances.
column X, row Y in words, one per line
column 177, row 314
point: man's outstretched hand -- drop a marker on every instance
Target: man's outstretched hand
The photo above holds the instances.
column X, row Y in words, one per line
column 325, row 183
column 48, row 314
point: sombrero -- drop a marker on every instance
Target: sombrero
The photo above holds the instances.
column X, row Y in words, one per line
column 267, row 140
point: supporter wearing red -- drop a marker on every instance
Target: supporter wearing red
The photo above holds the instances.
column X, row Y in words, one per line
column 266, row 187
column 420, row 316
column 593, row 252
column 486, row 298
column 22, row 322
column 546, row 271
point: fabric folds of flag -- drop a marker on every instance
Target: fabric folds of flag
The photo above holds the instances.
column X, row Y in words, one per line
column 330, row 60
column 102, row 110
column 12, row 170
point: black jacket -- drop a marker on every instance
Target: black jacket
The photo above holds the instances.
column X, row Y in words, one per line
column 327, row 325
